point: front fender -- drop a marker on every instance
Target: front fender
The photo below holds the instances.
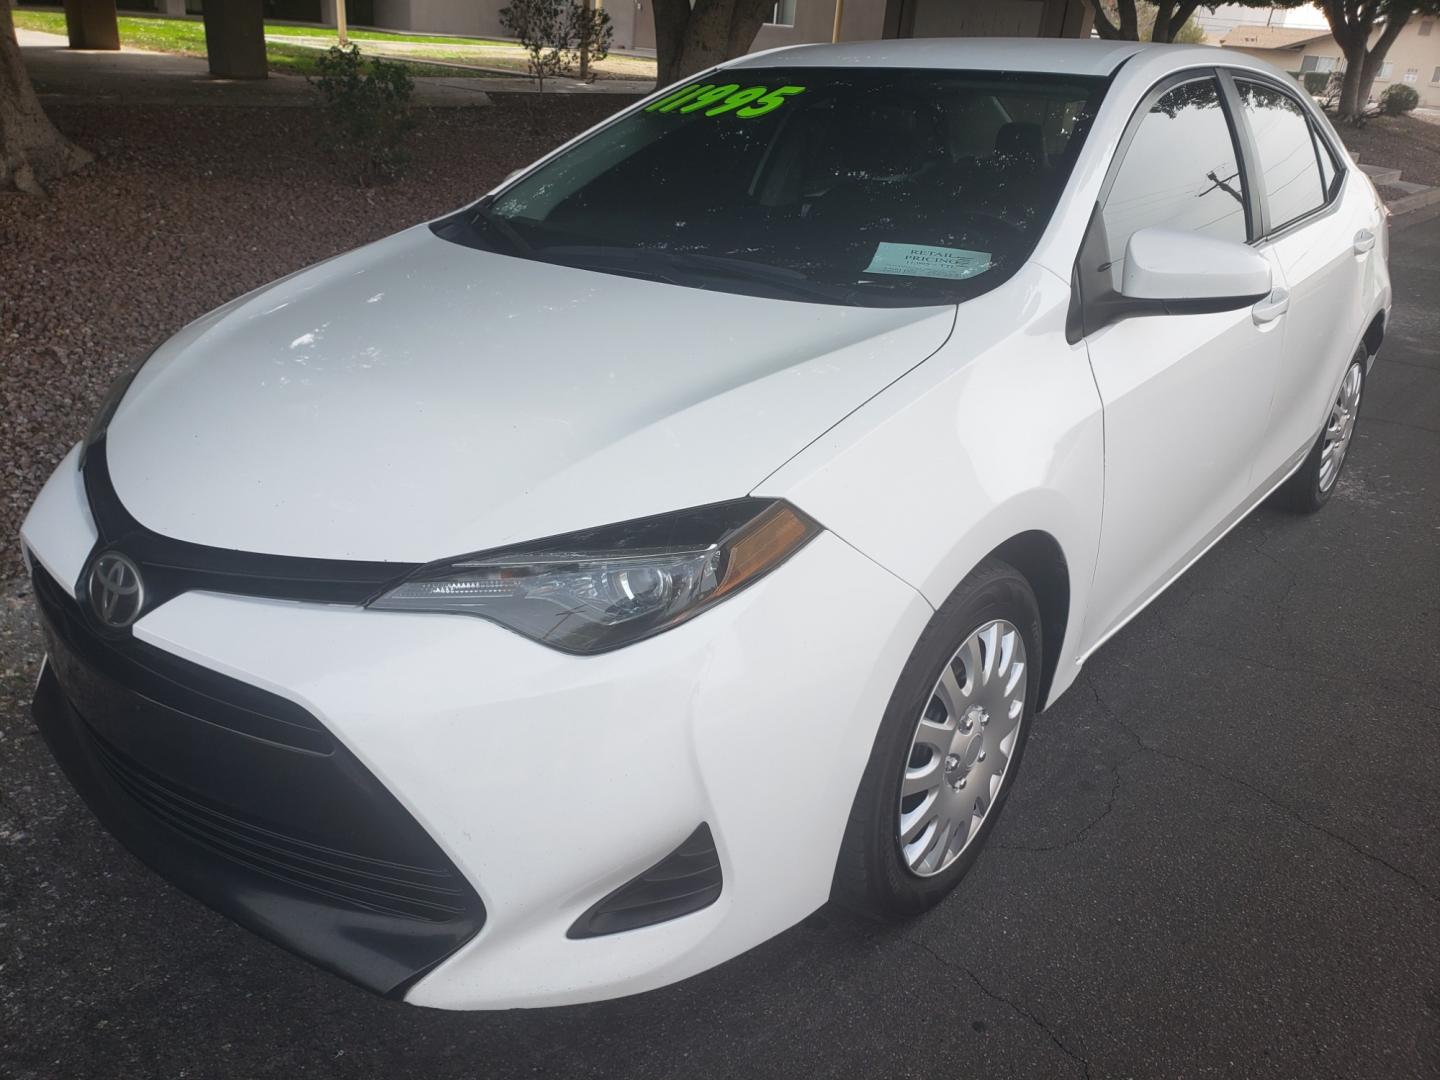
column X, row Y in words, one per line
column 999, row 433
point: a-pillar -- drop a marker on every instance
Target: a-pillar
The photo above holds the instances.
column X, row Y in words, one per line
column 235, row 38
column 91, row 24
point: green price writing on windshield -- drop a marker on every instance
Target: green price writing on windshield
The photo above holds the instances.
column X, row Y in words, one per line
column 717, row 99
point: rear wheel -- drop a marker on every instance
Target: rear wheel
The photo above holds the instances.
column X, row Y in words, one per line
column 1314, row 482
column 948, row 749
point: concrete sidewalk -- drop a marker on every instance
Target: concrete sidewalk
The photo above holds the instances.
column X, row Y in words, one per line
column 141, row 77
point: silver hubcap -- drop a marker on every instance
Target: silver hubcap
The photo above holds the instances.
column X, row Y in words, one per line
column 1341, row 426
column 962, row 747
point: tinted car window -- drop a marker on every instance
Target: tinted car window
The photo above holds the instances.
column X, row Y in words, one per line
column 857, row 187
column 1180, row 171
column 1328, row 165
column 1290, row 178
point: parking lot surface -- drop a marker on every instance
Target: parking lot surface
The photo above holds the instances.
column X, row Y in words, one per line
column 1222, row 858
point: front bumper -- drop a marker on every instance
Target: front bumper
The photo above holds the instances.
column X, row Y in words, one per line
column 246, row 802
column 545, row 781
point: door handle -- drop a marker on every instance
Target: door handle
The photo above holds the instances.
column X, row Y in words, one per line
column 1271, row 308
column 1364, row 241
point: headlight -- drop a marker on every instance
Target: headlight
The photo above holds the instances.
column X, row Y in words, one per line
column 591, row 591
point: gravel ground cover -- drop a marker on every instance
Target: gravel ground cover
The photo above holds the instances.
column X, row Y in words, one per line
column 1402, row 142
column 185, row 209
column 1220, row 859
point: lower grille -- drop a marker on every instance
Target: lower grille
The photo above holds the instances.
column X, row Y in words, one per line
column 246, row 801
column 409, row 892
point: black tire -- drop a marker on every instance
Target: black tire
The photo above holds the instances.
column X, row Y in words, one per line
column 1303, row 493
column 872, row 876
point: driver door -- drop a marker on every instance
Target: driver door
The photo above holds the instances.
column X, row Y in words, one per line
column 1185, row 396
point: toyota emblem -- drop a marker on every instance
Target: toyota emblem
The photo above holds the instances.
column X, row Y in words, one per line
column 116, row 592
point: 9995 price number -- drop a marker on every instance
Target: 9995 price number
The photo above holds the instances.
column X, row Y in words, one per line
column 716, row 100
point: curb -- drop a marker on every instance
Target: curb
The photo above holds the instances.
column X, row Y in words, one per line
column 1410, row 203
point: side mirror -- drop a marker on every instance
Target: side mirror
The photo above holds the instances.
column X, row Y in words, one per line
column 1187, row 272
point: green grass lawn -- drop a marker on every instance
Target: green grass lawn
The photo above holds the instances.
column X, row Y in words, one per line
column 187, row 37
column 287, row 30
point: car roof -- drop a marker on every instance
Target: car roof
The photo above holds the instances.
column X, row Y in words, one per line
column 1056, row 55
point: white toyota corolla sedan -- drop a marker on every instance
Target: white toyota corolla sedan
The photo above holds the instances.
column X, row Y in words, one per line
column 554, row 600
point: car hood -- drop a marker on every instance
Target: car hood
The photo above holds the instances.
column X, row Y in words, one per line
column 416, row 399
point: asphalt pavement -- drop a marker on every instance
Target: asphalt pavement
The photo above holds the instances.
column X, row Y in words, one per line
column 1222, row 858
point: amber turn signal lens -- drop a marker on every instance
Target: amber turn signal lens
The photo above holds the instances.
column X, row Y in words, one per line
column 764, row 544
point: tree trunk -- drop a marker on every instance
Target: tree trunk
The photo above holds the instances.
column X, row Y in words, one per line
column 32, row 152
column 235, row 39
column 92, row 24
column 1160, row 28
column 1376, row 56
column 689, row 39
column 1348, row 108
column 1168, row 28
column 1124, row 27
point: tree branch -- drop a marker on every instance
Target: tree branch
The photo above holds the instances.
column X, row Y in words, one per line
column 1180, row 18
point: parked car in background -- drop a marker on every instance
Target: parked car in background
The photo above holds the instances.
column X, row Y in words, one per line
column 557, row 599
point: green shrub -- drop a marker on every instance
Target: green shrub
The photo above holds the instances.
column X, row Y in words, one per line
column 1315, row 82
column 367, row 113
column 1399, row 99
column 555, row 32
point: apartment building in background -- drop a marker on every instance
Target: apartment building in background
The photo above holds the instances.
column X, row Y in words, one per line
column 1413, row 59
column 791, row 22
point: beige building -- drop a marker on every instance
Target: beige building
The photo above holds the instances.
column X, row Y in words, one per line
column 792, row 22
column 1414, row 58
column 801, row 22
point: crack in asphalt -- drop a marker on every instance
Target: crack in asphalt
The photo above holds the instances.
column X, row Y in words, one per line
column 1141, row 746
column 1413, row 363
column 1316, row 673
column 1265, row 796
column 1019, row 1009
column 1397, row 423
column 1084, row 830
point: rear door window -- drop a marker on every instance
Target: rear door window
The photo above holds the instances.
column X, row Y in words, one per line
column 1291, row 179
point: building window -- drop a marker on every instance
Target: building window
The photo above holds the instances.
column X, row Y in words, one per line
column 1385, row 70
column 1436, row 77
column 783, row 14
column 1317, row 63
column 1411, row 74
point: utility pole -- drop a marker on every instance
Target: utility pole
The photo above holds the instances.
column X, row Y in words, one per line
column 341, row 29
column 839, row 17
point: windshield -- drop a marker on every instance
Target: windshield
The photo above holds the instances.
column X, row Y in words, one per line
column 870, row 187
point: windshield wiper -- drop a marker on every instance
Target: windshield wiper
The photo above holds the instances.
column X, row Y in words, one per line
column 657, row 260
column 499, row 225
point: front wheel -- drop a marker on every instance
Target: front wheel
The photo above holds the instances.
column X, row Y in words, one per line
column 948, row 748
column 1314, row 482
